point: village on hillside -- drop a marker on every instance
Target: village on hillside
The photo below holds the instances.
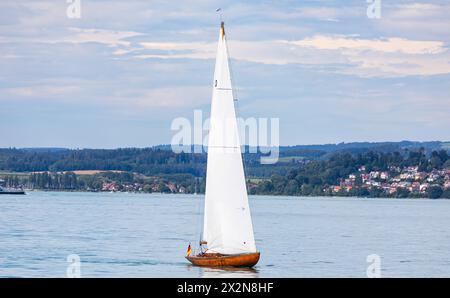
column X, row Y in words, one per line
column 406, row 178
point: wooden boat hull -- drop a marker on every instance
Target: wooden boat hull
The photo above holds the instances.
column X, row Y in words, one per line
column 217, row 260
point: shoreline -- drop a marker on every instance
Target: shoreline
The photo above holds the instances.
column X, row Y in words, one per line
column 250, row 195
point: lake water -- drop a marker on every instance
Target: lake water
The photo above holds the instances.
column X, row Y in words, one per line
column 146, row 235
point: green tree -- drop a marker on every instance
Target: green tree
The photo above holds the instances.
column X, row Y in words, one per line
column 291, row 187
column 402, row 193
column 147, row 188
column 446, row 194
column 434, row 192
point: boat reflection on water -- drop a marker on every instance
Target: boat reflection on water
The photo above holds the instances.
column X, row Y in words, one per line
column 223, row 272
column 229, row 272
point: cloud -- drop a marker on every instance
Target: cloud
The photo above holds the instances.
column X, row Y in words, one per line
column 41, row 91
column 382, row 57
column 128, row 62
column 107, row 37
column 75, row 35
column 121, row 98
column 323, row 13
column 389, row 45
column 415, row 10
column 419, row 20
column 345, row 53
column 175, row 97
column 342, row 54
column 177, row 50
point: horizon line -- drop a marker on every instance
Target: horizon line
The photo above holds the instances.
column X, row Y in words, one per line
column 243, row 145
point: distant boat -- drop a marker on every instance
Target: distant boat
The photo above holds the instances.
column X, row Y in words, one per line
column 11, row 191
column 227, row 238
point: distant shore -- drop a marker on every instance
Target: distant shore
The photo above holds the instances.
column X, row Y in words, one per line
column 250, row 195
column 394, row 170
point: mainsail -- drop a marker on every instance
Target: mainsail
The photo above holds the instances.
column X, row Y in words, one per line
column 227, row 226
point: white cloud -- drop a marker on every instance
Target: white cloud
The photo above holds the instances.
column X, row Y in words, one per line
column 421, row 20
column 79, row 36
column 415, row 10
column 383, row 57
column 41, row 91
column 106, row 37
column 175, row 97
column 169, row 46
column 318, row 13
column 389, row 45
column 140, row 98
column 346, row 54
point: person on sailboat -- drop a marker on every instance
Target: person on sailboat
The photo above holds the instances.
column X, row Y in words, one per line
column 189, row 250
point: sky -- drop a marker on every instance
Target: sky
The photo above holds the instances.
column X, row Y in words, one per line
column 118, row 75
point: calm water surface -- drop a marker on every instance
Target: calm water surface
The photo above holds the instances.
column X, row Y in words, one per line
column 143, row 235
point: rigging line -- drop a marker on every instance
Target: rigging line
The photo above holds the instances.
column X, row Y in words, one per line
column 232, row 77
column 236, row 104
column 199, row 226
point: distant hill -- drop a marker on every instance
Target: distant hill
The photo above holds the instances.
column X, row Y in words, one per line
column 363, row 147
column 357, row 146
column 45, row 149
column 160, row 159
column 433, row 145
column 324, row 150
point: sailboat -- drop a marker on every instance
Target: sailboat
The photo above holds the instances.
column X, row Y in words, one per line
column 227, row 238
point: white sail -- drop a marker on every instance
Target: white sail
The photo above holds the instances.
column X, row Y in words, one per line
column 227, row 222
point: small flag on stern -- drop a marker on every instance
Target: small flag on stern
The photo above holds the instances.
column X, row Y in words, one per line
column 189, row 250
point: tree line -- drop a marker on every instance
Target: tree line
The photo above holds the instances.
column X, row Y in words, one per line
column 154, row 169
column 313, row 178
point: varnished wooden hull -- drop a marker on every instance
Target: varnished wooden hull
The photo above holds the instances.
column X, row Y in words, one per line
column 241, row 260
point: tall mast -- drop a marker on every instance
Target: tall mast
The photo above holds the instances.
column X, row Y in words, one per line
column 227, row 226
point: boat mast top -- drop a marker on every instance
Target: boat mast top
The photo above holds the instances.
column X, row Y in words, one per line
column 222, row 30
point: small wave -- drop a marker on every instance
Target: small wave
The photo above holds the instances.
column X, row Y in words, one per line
column 322, row 262
column 124, row 262
column 172, row 238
